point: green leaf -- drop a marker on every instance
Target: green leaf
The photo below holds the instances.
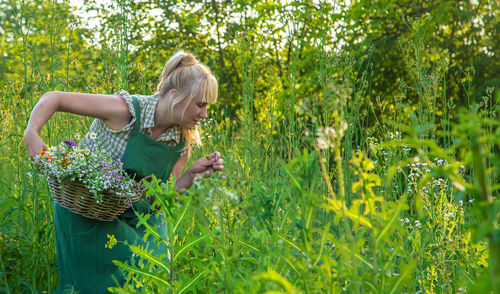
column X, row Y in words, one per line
column 149, row 229
column 293, row 179
column 141, row 272
column 290, row 243
column 141, row 251
column 406, row 270
column 390, row 224
column 273, row 276
column 191, row 282
column 188, row 246
column 249, row 246
column 183, row 214
column 345, row 248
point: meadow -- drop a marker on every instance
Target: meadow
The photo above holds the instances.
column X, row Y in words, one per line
column 329, row 186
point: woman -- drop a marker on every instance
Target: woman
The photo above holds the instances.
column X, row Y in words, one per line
column 151, row 135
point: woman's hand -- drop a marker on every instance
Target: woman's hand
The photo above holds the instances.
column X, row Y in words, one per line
column 204, row 167
column 34, row 144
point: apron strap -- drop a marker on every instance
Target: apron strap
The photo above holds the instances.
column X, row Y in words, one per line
column 137, row 124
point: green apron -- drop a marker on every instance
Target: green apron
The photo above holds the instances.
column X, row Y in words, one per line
column 84, row 263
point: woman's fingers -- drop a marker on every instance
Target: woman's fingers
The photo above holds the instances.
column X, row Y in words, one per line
column 214, row 156
column 208, row 173
column 34, row 145
column 206, row 166
column 218, row 167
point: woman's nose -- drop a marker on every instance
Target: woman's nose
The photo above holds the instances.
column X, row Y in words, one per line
column 203, row 113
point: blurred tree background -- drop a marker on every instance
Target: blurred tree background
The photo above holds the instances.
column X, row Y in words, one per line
column 284, row 40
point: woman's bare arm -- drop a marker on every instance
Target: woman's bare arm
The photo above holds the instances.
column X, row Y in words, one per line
column 112, row 109
column 186, row 180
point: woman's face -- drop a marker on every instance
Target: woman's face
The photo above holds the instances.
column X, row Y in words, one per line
column 196, row 110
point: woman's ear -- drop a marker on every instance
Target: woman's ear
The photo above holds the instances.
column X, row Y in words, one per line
column 172, row 93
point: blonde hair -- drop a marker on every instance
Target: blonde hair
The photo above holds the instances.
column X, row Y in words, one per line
column 191, row 79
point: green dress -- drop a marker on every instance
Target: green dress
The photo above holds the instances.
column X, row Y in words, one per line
column 84, row 263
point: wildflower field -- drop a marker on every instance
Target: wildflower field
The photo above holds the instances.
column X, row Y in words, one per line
column 361, row 142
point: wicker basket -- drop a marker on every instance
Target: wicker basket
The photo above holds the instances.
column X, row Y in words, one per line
column 75, row 197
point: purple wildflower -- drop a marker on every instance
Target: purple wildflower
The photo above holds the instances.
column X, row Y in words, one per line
column 162, row 224
column 70, row 143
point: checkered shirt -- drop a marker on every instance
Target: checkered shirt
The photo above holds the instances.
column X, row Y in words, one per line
column 115, row 141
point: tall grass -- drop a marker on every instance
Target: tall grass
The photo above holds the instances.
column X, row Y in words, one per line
column 316, row 198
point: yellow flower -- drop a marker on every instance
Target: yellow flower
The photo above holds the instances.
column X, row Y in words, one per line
column 111, row 242
column 138, row 283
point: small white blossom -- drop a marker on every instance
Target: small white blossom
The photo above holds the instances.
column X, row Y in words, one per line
column 330, row 132
column 322, row 144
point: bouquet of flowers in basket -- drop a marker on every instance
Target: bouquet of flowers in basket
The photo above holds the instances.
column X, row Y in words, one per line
column 92, row 167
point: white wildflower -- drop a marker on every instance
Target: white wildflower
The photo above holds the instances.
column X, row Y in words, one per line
column 330, row 132
column 322, row 144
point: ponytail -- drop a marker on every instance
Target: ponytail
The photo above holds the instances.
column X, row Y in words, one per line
column 180, row 59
